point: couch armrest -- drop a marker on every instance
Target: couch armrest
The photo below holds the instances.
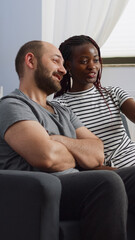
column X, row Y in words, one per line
column 29, row 205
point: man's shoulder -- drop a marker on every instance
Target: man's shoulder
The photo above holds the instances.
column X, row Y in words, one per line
column 9, row 98
column 16, row 94
column 15, row 97
column 16, row 101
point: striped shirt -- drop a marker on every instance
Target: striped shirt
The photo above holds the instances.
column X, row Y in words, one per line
column 106, row 123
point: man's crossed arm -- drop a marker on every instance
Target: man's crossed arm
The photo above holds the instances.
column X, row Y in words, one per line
column 54, row 153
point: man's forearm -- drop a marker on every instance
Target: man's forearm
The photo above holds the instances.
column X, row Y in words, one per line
column 87, row 152
column 58, row 158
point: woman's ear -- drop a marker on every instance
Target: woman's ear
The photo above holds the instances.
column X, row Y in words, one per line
column 68, row 65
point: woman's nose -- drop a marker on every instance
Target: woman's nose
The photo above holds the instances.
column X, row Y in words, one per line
column 91, row 65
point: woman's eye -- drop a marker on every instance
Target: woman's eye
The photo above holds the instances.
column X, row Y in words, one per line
column 84, row 61
column 96, row 60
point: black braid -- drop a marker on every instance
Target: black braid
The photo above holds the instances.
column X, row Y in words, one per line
column 66, row 48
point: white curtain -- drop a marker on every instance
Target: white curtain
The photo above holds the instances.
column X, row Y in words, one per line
column 64, row 18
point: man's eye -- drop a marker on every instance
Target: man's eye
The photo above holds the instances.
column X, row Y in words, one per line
column 55, row 60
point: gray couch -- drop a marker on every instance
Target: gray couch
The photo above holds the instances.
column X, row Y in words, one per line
column 24, row 207
column 26, row 199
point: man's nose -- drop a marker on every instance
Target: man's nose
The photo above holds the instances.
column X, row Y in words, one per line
column 62, row 70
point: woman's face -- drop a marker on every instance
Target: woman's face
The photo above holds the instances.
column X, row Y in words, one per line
column 84, row 66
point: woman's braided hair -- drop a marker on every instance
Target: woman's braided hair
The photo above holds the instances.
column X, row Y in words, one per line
column 67, row 50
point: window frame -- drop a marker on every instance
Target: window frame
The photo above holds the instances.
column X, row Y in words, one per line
column 118, row 61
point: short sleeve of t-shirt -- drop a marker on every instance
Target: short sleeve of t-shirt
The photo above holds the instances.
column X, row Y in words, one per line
column 13, row 110
column 75, row 120
column 119, row 94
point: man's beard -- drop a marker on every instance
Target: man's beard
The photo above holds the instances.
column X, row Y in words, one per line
column 44, row 81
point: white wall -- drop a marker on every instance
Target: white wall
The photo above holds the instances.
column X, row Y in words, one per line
column 20, row 21
column 123, row 77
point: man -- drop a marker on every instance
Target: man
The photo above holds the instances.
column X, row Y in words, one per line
column 36, row 134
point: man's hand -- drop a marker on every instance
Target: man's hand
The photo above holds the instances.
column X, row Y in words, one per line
column 87, row 149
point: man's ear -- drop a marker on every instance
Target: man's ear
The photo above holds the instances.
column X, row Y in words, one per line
column 30, row 60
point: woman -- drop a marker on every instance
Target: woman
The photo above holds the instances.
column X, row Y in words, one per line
column 98, row 107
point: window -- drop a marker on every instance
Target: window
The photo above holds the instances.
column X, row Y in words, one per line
column 121, row 42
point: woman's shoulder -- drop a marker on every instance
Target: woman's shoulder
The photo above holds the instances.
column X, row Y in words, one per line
column 113, row 89
column 59, row 100
column 63, row 99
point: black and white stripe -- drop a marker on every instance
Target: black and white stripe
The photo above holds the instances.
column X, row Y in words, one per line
column 104, row 121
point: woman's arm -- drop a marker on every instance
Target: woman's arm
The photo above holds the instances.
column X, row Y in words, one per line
column 128, row 108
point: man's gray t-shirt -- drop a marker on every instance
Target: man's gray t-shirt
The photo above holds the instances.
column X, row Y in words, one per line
column 17, row 107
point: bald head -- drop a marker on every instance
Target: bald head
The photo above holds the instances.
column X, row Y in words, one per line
column 48, row 46
column 50, row 49
column 37, row 48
